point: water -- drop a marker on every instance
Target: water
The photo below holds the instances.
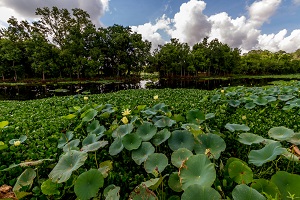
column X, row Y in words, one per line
column 28, row 92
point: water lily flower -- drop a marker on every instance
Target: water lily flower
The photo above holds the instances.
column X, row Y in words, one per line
column 124, row 120
column 17, row 143
column 222, row 91
column 126, row 112
column 85, row 98
column 155, row 97
column 244, row 117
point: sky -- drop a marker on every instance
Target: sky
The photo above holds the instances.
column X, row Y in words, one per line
column 250, row 24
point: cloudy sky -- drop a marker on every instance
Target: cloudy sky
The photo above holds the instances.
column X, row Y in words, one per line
column 262, row 24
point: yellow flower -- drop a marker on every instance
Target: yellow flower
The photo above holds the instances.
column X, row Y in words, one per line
column 124, row 120
column 17, row 143
column 222, row 91
column 244, row 117
column 85, row 98
column 155, row 97
column 126, row 112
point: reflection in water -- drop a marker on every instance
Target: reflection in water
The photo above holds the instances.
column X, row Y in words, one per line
column 25, row 92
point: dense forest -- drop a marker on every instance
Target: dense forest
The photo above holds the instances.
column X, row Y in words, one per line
column 68, row 45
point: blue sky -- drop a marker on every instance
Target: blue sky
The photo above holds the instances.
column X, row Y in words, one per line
column 251, row 24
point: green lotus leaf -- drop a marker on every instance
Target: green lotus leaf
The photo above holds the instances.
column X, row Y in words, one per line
column 122, row 130
column 270, row 98
column 209, row 116
column 294, row 103
column 156, row 162
column 266, row 154
column 174, row 182
column 234, row 103
column 146, row 131
column 229, row 161
column 90, row 139
column 3, row 145
column 237, row 127
column 68, row 163
column 72, row 145
column 50, row 188
column 197, row 170
column 240, row 172
column 3, row 124
column 141, row 192
column 65, row 138
column 244, row 192
column 210, row 144
column 89, row 115
column 21, row 139
column 195, row 116
column 179, row 156
column 174, row 197
column 250, row 105
column 113, row 194
column 27, row 164
column 261, row 101
column 181, row 139
column 215, row 98
column 281, row 133
column 288, row 184
column 285, row 97
column 149, row 111
column 250, row 138
column 95, row 128
column 25, row 179
column 290, row 156
column 116, row 147
column 164, row 121
column 142, row 153
column 94, row 146
column 200, row 192
column 159, row 106
column 160, row 137
column 131, row 141
column 105, row 167
column 265, row 186
column 88, row 184
column 154, row 183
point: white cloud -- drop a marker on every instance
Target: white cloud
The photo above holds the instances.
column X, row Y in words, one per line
column 297, row 2
column 26, row 8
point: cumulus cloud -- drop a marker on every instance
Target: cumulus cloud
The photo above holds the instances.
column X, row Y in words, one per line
column 26, row 8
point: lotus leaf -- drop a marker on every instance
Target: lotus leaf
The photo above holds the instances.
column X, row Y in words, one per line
column 72, row 145
column 113, row 194
column 285, row 97
column 294, row 102
column 88, row 183
column 281, row 133
column 146, row 131
column 195, row 116
column 179, row 156
column 21, row 139
column 25, row 179
column 181, row 139
column 116, row 147
column 141, row 192
column 122, row 130
column 229, row 161
column 68, row 163
column 193, row 128
column 197, row 170
column 105, row 167
column 265, row 186
column 164, row 121
column 288, row 184
column 90, row 139
column 95, row 128
column 266, row 154
column 94, row 146
column 50, row 188
column 290, row 156
column 210, row 144
column 234, row 103
column 174, row 182
column 244, row 192
column 89, row 115
column 156, row 162
column 240, row 172
column 250, row 105
column 215, row 98
column 142, row 153
column 3, row 146
column 250, row 138
column 295, row 139
column 209, row 116
column 154, row 183
column 201, row 193
column 161, row 137
column 270, row 98
column 261, row 101
column 65, row 138
column 131, row 141
column 237, row 127
column 174, row 197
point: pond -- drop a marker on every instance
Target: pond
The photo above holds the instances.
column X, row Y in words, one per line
column 28, row 92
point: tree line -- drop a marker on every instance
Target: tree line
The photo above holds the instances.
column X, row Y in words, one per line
column 67, row 44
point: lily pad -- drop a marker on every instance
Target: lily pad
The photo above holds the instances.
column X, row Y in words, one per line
column 195, row 116
column 116, row 147
column 113, row 194
column 295, row 139
column 250, row 138
column 72, row 145
column 131, row 141
column 142, row 153
column 234, row 103
column 179, row 156
column 94, row 146
column 25, row 179
column 141, row 192
column 174, row 182
column 265, row 186
column 89, row 115
column 164, row 122
column 146, row 131
column 281, row 133
column 250, row 105
column 266, row 154
column 122, row 130
column 210, row 144
column 215, row 98
column 68, row 163
column 156, row 162
column 261, row 101
column 50, row 188
column 88, row 183
column 181, row 139
column 90, row 139
column 244, row 192
column 285, row 97
column 237, row 127
column 240, row 172
column 160, row 137
column 65, row 138
column 197, row 170
column 200, row 192
column 95, row 128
